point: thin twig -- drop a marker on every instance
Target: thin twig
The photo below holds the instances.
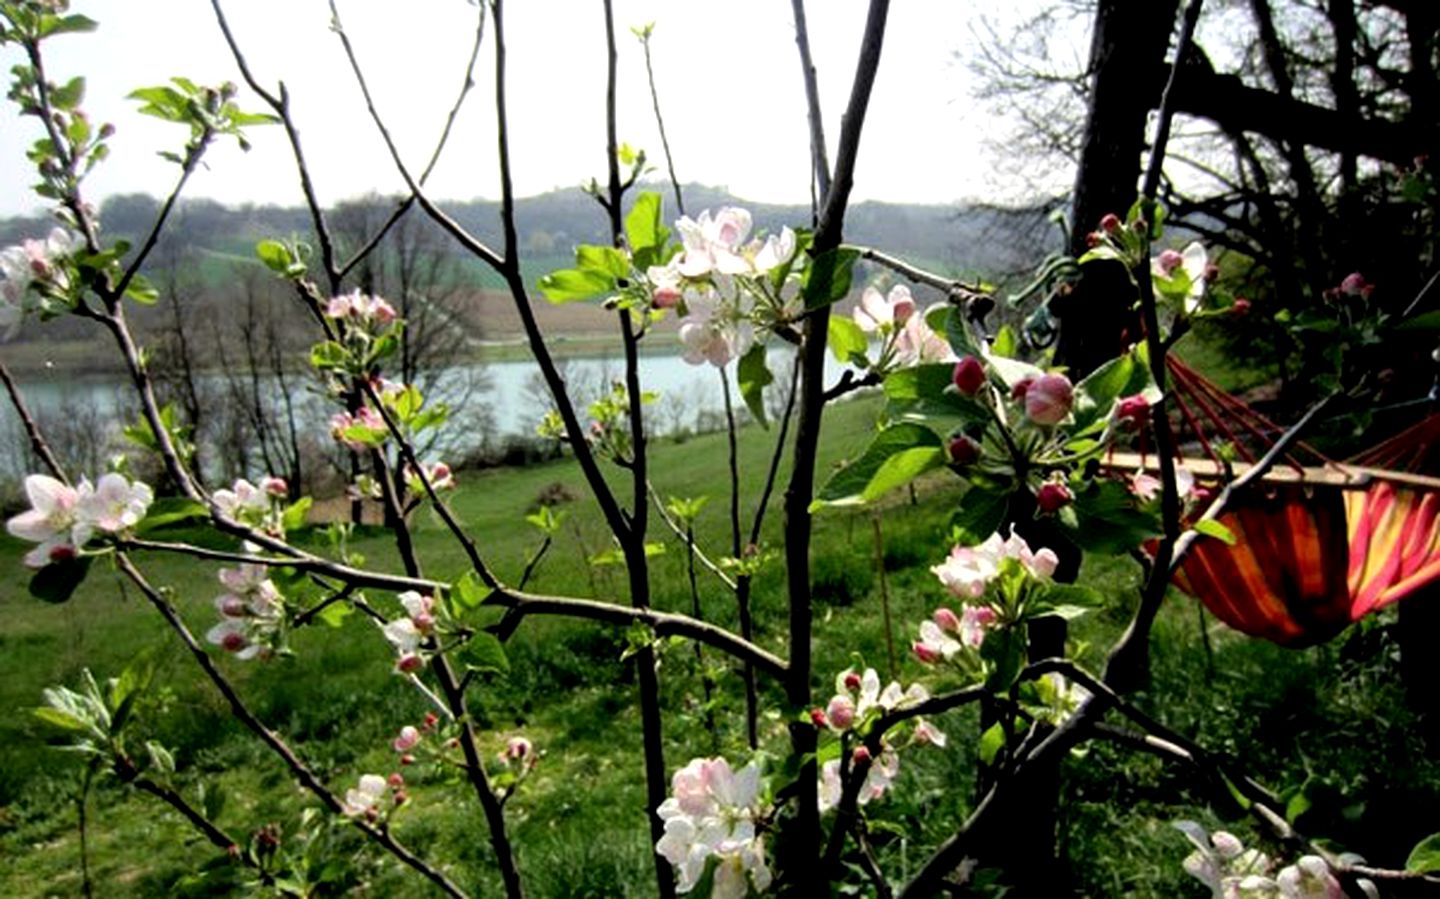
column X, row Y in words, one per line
column 38, row 445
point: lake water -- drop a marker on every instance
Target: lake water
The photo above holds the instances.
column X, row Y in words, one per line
column 690, row 395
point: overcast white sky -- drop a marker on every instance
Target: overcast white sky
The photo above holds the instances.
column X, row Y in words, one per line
column 728, row 76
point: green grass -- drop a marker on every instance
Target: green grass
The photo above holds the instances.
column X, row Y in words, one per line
column 1333, row 714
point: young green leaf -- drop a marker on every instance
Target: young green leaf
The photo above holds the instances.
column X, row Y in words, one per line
column 754, row 376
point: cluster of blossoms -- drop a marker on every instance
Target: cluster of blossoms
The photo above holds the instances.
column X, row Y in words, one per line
column 905, row 338
column 1222, row 863
column 361, row 310
column 62, row 518
column 408, row 633
column 858, row 698
column 28, row 271
column 713, row 812
column 358, row 430
column 258, row 506
column 252, row 613
column 719, row 284
column 969, row 570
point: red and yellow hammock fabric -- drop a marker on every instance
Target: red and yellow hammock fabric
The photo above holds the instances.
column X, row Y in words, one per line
column 1315, row 549
column 1310, row 560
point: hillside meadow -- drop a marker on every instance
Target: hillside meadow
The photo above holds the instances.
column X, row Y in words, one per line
column 1331, row 719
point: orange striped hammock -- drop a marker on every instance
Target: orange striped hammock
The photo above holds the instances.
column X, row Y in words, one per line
column 1316, row 549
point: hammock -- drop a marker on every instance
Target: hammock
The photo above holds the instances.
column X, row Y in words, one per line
column 1316, row 548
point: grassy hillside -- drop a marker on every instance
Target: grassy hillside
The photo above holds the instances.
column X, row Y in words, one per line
column 578, row 823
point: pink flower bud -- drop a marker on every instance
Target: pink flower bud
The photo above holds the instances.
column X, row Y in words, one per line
column 407, row 759
column 275, row 486
column 1094, row 239
column 401, row 797
column 424, row 622
column 431, row 719
column 396, row 780
column 964, row 451
column 1110, row 223
column 407, row 739
column 852, row 681
column 925, row 652
column 665, row 297
column 1212, row 272
column 1048, row 399
column 969, row 376
column 861, row 754
column 382, row 312
column 1170, row 260
column 840, row 712
column 1053, row 496
column 902, row 308
column 1240, row 307
column 947, row 620
column 1131, row 412
column 232, row 607
column 1020, row 388
column 1354, row 284
column 410, row 663
column 62, row 552
column 233, row 641
column 817, row 718
column 339, row 307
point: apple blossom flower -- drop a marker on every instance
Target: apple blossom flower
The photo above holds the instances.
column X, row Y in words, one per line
column 777, row 250
column 713, row 329
column 917, row 343
column 969, row 569
column 438, row 474
column 251, row 612
column 1309, row 878
column 360, row 309
column 420, row 608
column 275, row 486
column 30, row 263
column 50, row 519
column 517, row 749
column 1048, row 399
column 113, row 505
column 1222, row 863
column 974, row 622
column 242, row 502
column 406, row 638
column 1193, row 262
column 1355, row 285
column 934, row 644
column 713, row 242
column 883, row 769
column 1110, row 223
column 1146, row 486
column 928, row 734
column 365, row 799
column 712, row 813
column 881, row 315
column 342, row 422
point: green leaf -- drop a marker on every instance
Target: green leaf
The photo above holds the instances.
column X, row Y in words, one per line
column 328, row 355
column 1156, row 212
column 68, row 95
column 896, row 456
column 1005, row 650
column 847, row 341
column 1011, row 371
column 468, row 592
column 600, row 260
column 1108, row 520
column 334, row 615
column 293, row 518
column 142, row 291
column 568, row 285
column 991, row 742
column 1429, row 321
column 1212, row 528
column 828, row 278
column 276, row 256
column 957, row 332
column 1005, row 342
column 919, row 382
column 645, row 229
column 980, row 514
column 58, row 581
column 1425, row 857
column 59, row 718
column 76, row 24
column 484, row 652
column 168, row 510
column 754, row 376
column 1068, row 601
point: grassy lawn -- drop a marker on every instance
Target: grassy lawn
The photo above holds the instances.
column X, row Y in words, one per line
column 1333, row 715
